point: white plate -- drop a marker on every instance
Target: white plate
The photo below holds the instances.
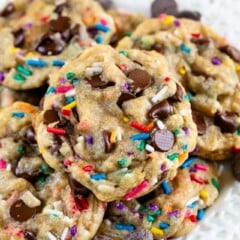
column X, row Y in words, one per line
column 222, row 220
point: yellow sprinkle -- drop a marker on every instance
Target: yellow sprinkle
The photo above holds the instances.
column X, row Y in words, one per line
column 125, row 119
column 40, row 150
column 182, row 157
column 156, row 231
column 168, row 19
column 203, row 194
column 70, row 105
column 238, row 68
column 150, row 125
column 182, row 71
column 30, row 54
column 113, row 137
column 14, row 50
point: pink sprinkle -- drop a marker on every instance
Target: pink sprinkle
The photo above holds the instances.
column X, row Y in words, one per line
column 197, row 180
column 67, row 163
column 188, row 213
column 3, row 164
column 123, row 67
column 63, row 89
column 162, row 16
column 134, row 192
column 201, row 167
column 104, row 22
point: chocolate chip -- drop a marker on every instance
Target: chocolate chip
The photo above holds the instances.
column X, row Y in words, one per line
column 139, row 234
column 19, row 37
column 200, row 41
column 141, row 79
column 109, row 147
column 8, row 10
column 30, row 176
column 158, row 47
column 77, row 188
column 20, row 212
column 29, row 235
column 164, row 6
column 178, row 96
column 60, row 24
column 161, row 110
column 50, row 116
column 75, row 114
column 199, row 120
column 125, row 96
column 30, row 135
column 96, row 82
column 163, row 140
column 60, row 8
column 236, row 166
column 106, row 4
column 49, row 45
column 75, row 31
column 114, row 40
column 194, row 15
column 231, row 51
column 226, row 121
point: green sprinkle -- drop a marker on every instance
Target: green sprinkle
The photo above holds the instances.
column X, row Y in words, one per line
column 176, row 132
column 24, row 70
column 215, row 183
column 129, row 34
column 21, row 149
column 155, row 213
column 45, row 169
column 150, row 218
column 122, row 162
column 123, row 52
column 18, row 77
column 141, row 146
column 53, row 216
column 136, row 40
column 187, row 96
column 238, row 130
column 172, row 156
column 70, row 75
column 142, row 208
column 42, row 179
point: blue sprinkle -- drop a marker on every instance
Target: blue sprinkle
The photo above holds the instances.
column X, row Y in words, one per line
column 102, row 28
column 50, row 90
column 58, row 63
column 163, row 225
column 185, row 147
column 98, row 176
column 99, row 39
column 192, row 205
column 18, row 114
column 200, row 214
column 166, row 187
column 185, row 48
column 127, row 227
column 188, row 162
column 187, row 96
column 140, row 136
column 36, row 63
column 75, row 81
column 70, row 99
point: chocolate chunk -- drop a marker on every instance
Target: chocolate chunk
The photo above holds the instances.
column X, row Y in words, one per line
column 139, row 234
column 236, row 166
column 106, row 4
column 30, row 176
column 29, row 235
column 194, row 15
column 60, row 8
column 200, row 41
column 141, row 79
column 164, row 6
column 158, row 48
column 96, row 82
column 109, row 147
column 75, row 31
column 226, row 121
column 61, row 24
column 30, row 135
column 19, row 37
column 77, row 188
column 231, row 51
column 163, row 140
column 161, row 110
column 125, row 97
column 75, row 114
column 200, row 122
column 114, row 40
column 50, row 116
column 8, row 10
column 50, row 45
column 178, row 96
column 21, row 212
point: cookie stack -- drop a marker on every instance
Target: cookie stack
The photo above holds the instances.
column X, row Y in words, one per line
column 108, row 137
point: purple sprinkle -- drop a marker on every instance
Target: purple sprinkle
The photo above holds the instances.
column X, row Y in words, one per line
column 76, row 156
column 174, row 213
column 177, row 23
column 163, row 166
column 89, row 139
column 62, row 80
column 140, row 215
column 120, row 205
column 195, row 150
column 192, row 170
column 216, row 61
column 153, row 206
column 130, row 152
column 28, row 25
column 186, row 130
column 125, row 86
column 73, row 231
column 2, row 77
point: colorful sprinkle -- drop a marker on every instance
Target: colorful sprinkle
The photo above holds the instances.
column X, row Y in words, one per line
column 141, row 146
column 58, row 63
column 2, row 77
column 73, row 231
column 125, row 119
column 177, row 23
column 166, row 187
column 24, row 70
column 185, row 48
column 135, row 191
column 216, row 61
column 89, row 139
column 163, row 225
column 124, row 53
column 120, row 205
column 201, row 167
column 18, row 77
column 113, row 136
column 150, row 218
column 99, row 39
column 102, row 28
column 160, row 94
column 70, row 105
column 18, row 114
column 156, row 231
column 69, row 99
column 3, row 164
column 57, row 131
column 215, row 183
column 187, row 96
column 64, row 89
column 238, row 68
column 98, row 176
column 194, row 178
column 149, row 148
column 141, row 136
column 66, row 112
column 126, row 227
column 174, row 213
column 87, row 168
column 200, row 214
column 36, row 63
column 203, row 194
column 188, row 162
column 182, row 71
column 173, row 156
column 139, row 126
column 193, row 218
column 182, row 157
column 122, row 162
column 21, row 149
column 70, row 75
column 50, row 90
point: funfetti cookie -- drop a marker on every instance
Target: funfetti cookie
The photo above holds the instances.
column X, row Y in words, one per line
column 120, row 125
column 35, row 43
column 173, row 209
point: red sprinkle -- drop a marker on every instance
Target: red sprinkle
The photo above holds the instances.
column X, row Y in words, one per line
column 87, row 168
column 44, row 19
column 197, row 180
column 193, row 218
column 82, row 203
column 167, row 79
column 63, row 89
column 57, row 131
column 139, row 126
column 66, row 112
column 196, row 35
column 235, row 149
column 67, row 163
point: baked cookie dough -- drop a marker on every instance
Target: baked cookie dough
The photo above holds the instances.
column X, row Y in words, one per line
column 172, row 210
column 119, row 124
column 35, row 43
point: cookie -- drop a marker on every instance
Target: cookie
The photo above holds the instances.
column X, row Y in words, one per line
column 171, row 210
column 38, row 42
column 119, row 124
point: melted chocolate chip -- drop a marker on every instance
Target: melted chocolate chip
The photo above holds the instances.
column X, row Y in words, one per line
column 30, row 135
column 60, row 24
column 194, row 15
column 77, row 188
column 139, row 234
column 236, row 166
column 141, row 79
column 50, row 116
column 8, row 10
column 96, row 82
column 178, row 96
column 164, row 6
column 49, row 45
column 109, row 147
column 60, row 8
column 231, row 51
column 226, row 121
column 163, row 140
column 19, row 37
column 20, row 212
column 29, row 235
column 200, row 122
column 124, row 97
column 106, row 4
column 161, row 110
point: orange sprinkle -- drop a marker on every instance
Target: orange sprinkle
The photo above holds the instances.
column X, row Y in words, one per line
column 26, row 107
column 83, row 125
column 89, row 20
column 182, row 157
column 150, row 125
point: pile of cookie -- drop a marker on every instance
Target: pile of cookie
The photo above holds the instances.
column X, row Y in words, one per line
column 111, row 123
